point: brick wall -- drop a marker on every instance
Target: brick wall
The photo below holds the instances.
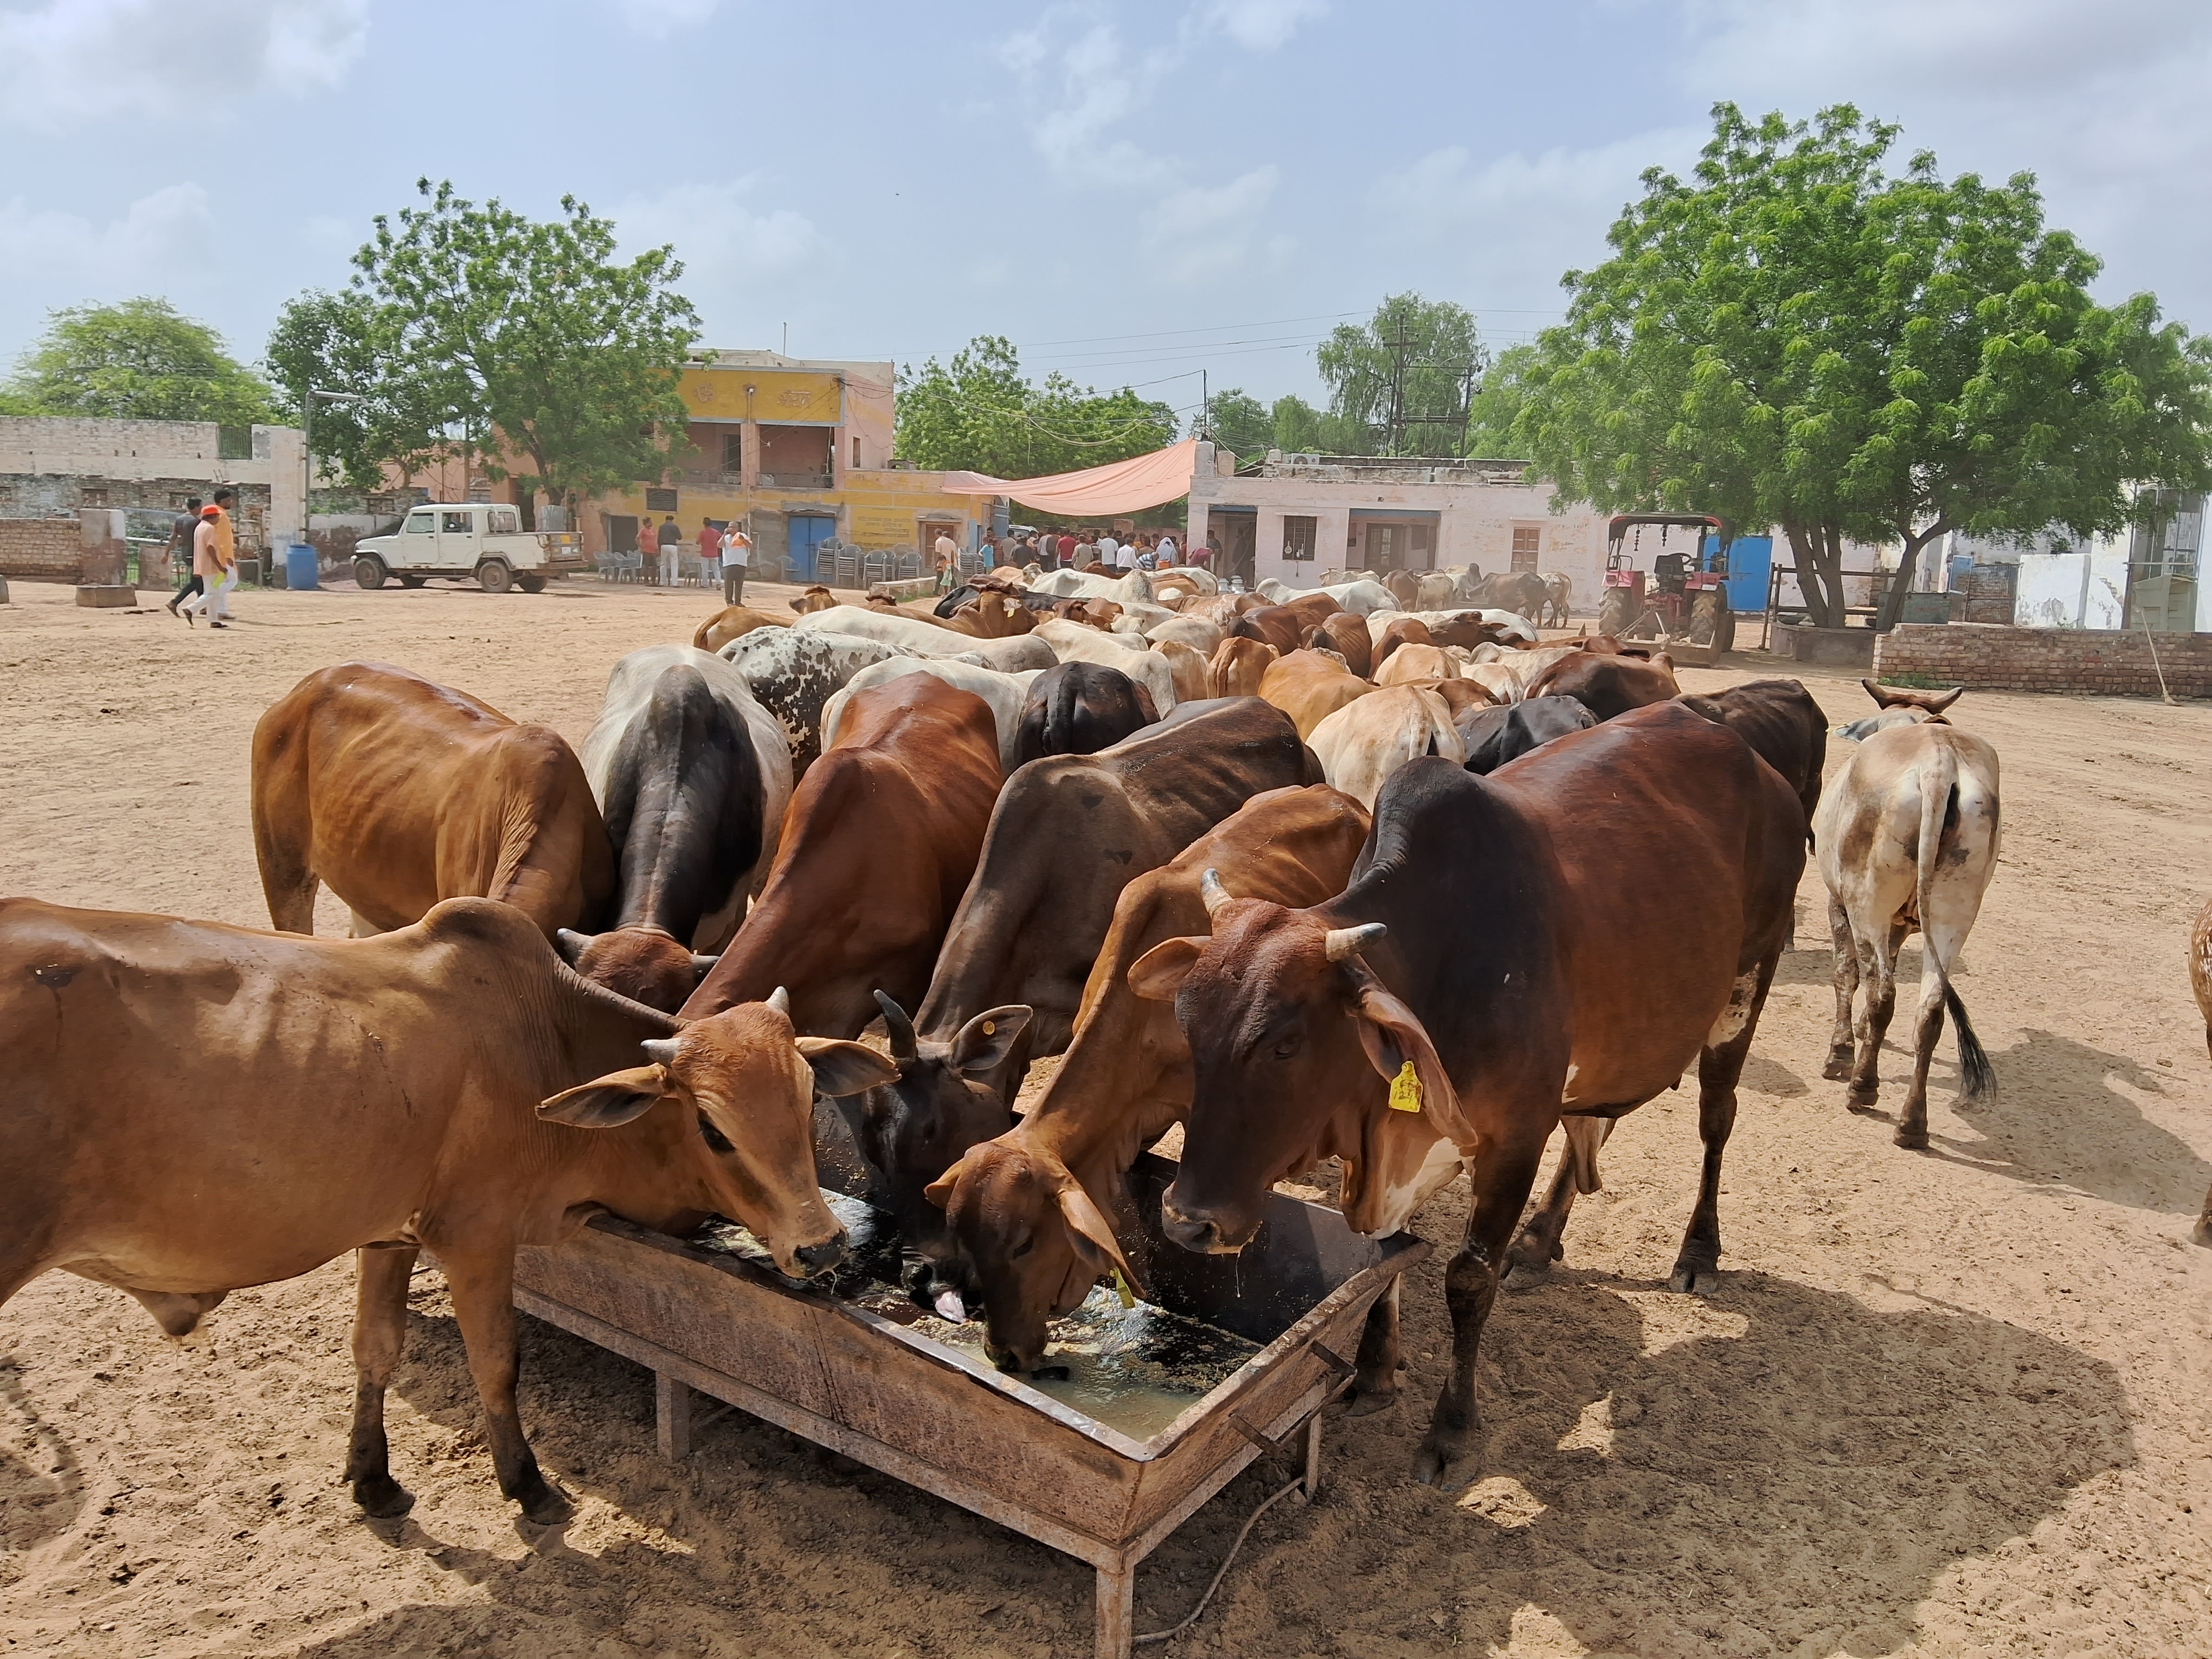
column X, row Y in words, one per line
column 41, row 549
column 2092, row 661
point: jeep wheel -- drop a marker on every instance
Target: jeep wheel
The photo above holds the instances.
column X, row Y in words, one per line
column 368, row 571
column 531, row 583
column 413, row 581
column 494, row 576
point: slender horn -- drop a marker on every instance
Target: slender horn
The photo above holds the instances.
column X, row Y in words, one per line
column 897, row 1027
column 1212, row 893
column 659, row 1050
column 570, row 943
column 780, row 1000
column 702, row 966
column 1345, row 943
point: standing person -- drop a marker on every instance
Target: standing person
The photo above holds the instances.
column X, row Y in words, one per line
column 1068, row 548
column 181, row 550
column 737, row 563
column 670, row 540
column 1109, row 550
column 947, row 552
column 1164, row 550
column 710, row 554
column 211, row 562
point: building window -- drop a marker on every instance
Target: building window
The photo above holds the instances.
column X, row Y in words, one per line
column 92, row 498
column 660, row 501
column 733, row 452
column 1299, row 536
column 856, row 454
column 1527, row 540
column 233, row 443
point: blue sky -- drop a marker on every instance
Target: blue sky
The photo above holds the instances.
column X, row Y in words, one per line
column 1129, row 192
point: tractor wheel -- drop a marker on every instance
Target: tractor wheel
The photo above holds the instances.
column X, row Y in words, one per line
column 1724, row 630
column 1615, row 611
column 495, row 576
column 368, row 571
column 531, row 583
column 1703, row 610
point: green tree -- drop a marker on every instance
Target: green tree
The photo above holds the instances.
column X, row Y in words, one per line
column 1411, row 361
column 979, row 413
column 142, row 359
column 1241, row 423
column 1302, row 429
column 1795, row 337
column 1497, row 403
column 526, row 340
column 330, row 342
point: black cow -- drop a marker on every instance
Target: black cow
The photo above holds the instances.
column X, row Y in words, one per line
column 1079, row 708
column 1068, row 833
column 692, row 777
column 1495, row 735
column 1784, row 726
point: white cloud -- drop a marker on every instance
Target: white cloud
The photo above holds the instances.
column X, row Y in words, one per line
column 160, row 237
column 720, row 240
column 1258, row 25
column 658, row 19
column 67, row 63
column 1204, row 231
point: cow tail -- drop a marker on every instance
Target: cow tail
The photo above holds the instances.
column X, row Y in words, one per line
column 1939, row 800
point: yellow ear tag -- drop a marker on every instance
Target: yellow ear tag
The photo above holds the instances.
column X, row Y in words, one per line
column 1406, row 1090
column 1122, row 1289
column 990, row 1028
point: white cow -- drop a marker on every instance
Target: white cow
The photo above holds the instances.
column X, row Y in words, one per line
column 1135, row 586
column 1906, row 839
column 1361, row 599
column 1363, row 743
column 1005, row 692
column 1008, row 655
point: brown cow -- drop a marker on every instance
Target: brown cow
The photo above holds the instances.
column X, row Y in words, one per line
column 1784, row 726
column 1607, row 686
column 1346, row 634
column 1404, row 585
column 1237, row 666
column 1473, row 976
column 1310, row 687
column 992, row 615
column 733, row 621
column 878, row 843
column 1397, row 631
column 1285, row 627
column 398, row 792
column 814, row 597
column 1047, row 1187
column 191, row 1108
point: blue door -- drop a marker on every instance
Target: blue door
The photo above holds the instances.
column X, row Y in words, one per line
column 808, row 533
column 1750, row 558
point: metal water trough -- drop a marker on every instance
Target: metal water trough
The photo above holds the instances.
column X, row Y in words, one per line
column 866, row 1386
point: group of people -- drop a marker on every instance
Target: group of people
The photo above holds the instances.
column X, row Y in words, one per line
column 725, row 552
column 207, row 535
column 1076, row 549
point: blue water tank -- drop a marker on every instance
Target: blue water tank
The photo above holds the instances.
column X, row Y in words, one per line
column 300, row 566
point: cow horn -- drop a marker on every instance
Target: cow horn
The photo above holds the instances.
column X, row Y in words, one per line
column 1344, row 942
column 570, row 943
column 897, row 1027
column 661, row 1051
column 1212, row 893
column 780, row 1000
column 704, row 965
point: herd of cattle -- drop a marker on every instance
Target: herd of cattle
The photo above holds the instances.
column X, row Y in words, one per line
column 1313, row 875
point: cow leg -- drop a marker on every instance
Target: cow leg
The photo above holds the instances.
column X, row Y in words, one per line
column 1539, row 1245
column 483, row 1287
column 1720, row 1064
column 1503, row 1174
column 379, row 1337
column 1846, row 969
column 1374, row 1368
column 1878, row 968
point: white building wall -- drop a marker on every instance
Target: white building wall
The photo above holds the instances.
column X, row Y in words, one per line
column 66, row 446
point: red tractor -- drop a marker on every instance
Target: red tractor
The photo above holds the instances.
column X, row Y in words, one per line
column 1679, row 598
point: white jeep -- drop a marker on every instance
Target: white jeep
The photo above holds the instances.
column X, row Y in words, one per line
column 484, row 540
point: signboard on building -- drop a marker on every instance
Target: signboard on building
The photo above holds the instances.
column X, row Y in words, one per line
column 780, row 396
column 882, row 526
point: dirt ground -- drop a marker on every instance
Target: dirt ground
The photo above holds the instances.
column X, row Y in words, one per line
column 1948, row 1402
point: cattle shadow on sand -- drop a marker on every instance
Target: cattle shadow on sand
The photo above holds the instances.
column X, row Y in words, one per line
column 1775, row 1466
column 2056, row 1121
column 41, row 1481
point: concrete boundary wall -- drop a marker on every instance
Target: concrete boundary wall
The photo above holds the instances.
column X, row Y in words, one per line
column 2096, row 662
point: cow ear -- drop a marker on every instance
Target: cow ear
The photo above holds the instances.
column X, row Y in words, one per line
column 1094, row 1238
column 985, row 1041
column 1145, row 706
column 939, row 1192
column 607, row 1101
column 1393, row 1033
column 571, row 944
column 845, row 1068
column 1158, row 974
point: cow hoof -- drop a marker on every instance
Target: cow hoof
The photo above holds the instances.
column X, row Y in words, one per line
column 1913, row 1140
column 382, row 1498
column 1365, row 1402
column 1838, row 1066
column 547, row 1507
column 1442, row 1460
column 1694, row 1279
column 1861, row 1100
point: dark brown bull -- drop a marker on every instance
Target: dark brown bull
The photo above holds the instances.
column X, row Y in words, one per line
column 1346, row 634
column 1397, row 632
column 1784, row 726
column 1473, row 972
column 879, row 842
column 1283, row 626
column 1079, row 708
column 1605, row 685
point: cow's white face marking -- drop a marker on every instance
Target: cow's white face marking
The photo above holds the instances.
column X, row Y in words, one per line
column 1730, row 1024
column 1401, row 1202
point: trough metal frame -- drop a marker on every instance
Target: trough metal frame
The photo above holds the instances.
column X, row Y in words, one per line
column 678, row 1378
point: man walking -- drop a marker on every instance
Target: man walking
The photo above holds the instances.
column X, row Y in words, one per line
column 215, row 560
column 180, row 552
column 670, row 540
column 737, row 563
column 710, row 554
column 947, row 552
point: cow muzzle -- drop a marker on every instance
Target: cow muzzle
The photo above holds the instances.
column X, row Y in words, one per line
column 1200, row 1233
column 814, row 1259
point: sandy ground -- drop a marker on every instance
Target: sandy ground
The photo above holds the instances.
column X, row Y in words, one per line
column 1944, row 1403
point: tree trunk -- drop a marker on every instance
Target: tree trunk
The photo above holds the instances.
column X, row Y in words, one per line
column 1892, row 601
column 1817, row 554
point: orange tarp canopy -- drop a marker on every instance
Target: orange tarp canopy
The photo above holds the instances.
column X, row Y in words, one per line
column 1096, row 492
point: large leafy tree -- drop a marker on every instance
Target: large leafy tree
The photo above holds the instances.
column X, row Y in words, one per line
column 1402, row 376
column 979, row 413
column 1795, row 337
column 142, row 359
column 1496, row 404
column 525, row 342
column 333, row 342
column 1240, row 423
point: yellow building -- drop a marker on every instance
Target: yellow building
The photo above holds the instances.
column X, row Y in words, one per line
column 800, row 451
